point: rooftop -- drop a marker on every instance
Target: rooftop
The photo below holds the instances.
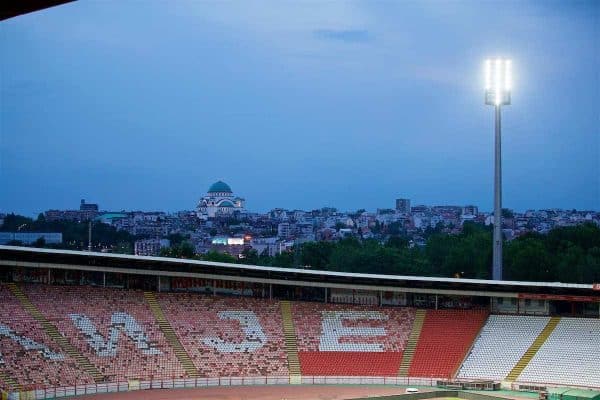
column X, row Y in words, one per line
column 219, row 187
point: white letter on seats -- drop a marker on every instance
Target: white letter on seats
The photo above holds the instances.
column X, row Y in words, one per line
column 119, row 322
column 255, row 337
column 334, row 330
column 29, row 344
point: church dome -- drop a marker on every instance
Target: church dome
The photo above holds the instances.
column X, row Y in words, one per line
column 219, row 187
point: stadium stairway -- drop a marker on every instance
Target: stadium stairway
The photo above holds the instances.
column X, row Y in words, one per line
column 167, row 330
column 513, row 375
column 289, row 332
column 12, row 384
column 411, row 344
column 54, row 334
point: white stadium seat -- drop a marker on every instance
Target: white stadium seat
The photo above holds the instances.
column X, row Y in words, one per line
column 500, row 345
column 570, row 355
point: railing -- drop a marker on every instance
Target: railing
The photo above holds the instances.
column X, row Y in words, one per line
column 33, row 393
column 541, row 386
column 38, row 393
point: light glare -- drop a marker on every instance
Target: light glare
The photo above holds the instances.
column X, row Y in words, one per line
column 508, row 75
column 488, row 74
column 498, row 81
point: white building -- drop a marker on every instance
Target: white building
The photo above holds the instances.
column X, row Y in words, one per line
column 219, row 202
column 285, row 230
column 470, row 210
column 31, row 237
column 150, row 247
column 268, row 246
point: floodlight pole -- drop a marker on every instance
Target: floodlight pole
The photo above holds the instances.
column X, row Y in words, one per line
column 498, row 83
column 497, row 248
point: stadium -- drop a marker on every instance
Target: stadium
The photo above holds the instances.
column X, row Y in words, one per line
column 76, row 323
column 111, row 326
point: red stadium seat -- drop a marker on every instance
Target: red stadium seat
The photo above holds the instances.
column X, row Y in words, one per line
column 445, row 338
column 32, row 366
column 196, row 318
column 57, row 303
column 378, row 352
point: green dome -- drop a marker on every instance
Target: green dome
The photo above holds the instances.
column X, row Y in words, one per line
column 219, row 187
column 225, row 203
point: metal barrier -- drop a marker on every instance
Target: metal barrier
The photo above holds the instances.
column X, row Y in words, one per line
column 37, row 393
column 441, row 393
column 33, row 393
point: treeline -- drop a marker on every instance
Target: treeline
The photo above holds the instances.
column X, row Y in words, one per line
column 75, row 234
column 568, row 254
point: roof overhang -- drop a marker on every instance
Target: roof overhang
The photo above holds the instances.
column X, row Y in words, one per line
column 13, row 8
column 83, row 260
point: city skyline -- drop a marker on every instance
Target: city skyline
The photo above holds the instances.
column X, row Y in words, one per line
column 343, row 104
column 391, row 205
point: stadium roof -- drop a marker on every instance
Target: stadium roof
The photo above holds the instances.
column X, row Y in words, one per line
column 162, row 266
column 13, row 8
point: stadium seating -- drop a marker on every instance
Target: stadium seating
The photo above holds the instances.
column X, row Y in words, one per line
column 28, row 355
column 570, row 355
column 47, row 333
column 445, row 338
column 336, row 339
column 228, row 336
column 113, row 328
column 500, row 345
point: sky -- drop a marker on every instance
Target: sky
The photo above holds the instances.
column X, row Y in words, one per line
column 142, row 105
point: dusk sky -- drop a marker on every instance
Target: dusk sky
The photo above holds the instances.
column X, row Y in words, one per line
column 142, row 105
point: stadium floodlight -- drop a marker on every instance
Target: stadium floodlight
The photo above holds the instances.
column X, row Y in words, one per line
column 498, row 81
column 498, row 85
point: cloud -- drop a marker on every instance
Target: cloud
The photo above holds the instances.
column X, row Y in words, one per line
column 346, row 35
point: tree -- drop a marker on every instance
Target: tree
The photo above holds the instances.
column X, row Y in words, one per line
column 176, row 239
column 395, row 228
column 284, row 259
column 467, row 254
column 377, row 228
column 250, row 256
column 219, row 257
column 12, row 222
column 586, row 236
column 123, row 248
column 528, row 259
column 183, row 250
column 316, row 254
column 398, row 242
column 437, row 251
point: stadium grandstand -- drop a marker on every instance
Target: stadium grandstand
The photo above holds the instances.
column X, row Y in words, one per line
column 77, row 322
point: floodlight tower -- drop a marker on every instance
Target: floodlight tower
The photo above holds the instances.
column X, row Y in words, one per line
column 498, row 83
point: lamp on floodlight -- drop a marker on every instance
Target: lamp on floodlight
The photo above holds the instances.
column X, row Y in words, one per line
column 498, row 81
column 498, row 85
